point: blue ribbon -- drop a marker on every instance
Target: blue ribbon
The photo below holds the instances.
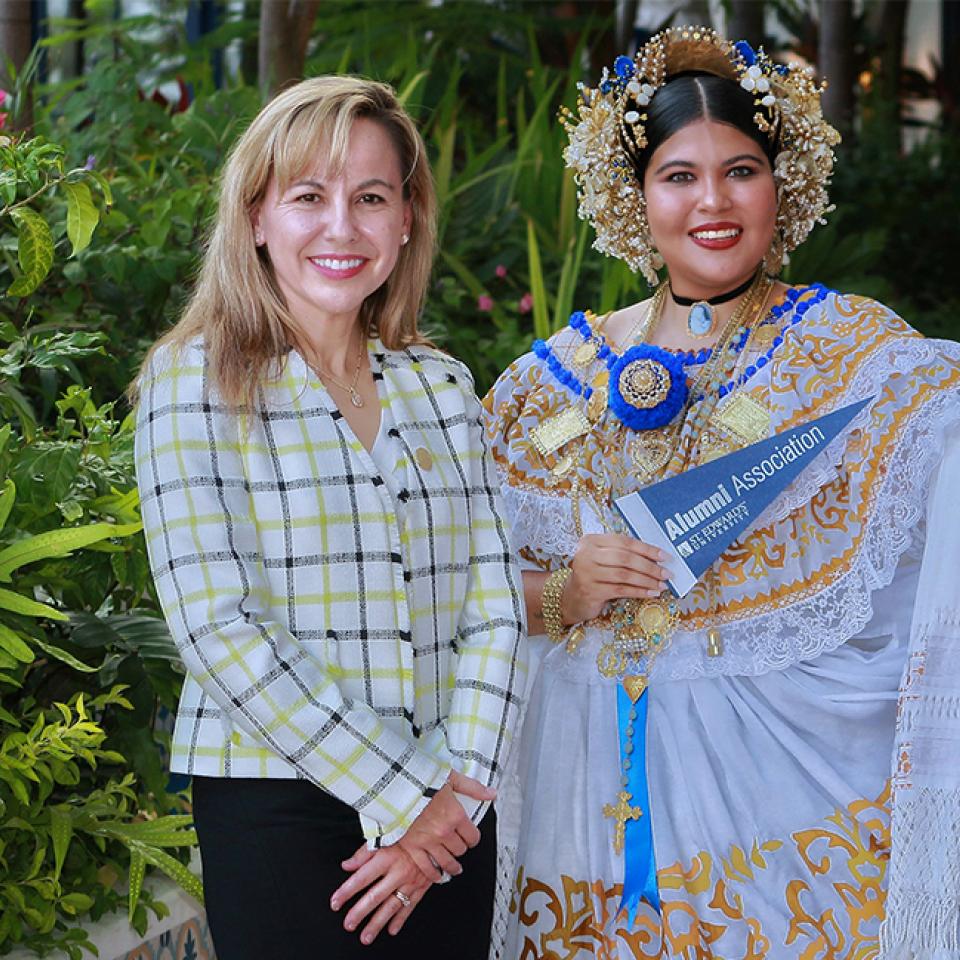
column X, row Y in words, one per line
column 640, row 868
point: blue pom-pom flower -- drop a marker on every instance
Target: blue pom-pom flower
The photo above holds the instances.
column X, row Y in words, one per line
column 649, row 418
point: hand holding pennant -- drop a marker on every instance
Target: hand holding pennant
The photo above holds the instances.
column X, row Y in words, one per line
column 696, row 515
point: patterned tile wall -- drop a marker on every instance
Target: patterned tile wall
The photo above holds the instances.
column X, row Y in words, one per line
column 189, row 941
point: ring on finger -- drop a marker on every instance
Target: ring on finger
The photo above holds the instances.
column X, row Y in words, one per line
column 444, row 877
column 436, row 866
column 402, row 897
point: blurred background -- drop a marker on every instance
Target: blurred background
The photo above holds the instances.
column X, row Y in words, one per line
column 115, row 116
column 152, row 94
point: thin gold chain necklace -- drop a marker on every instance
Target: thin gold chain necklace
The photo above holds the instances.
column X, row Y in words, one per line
column 642, row 629
column 351, row 388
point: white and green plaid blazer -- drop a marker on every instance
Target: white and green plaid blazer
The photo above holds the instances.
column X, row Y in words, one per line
column 324, row 635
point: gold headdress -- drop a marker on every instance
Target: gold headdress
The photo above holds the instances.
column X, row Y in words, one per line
column 609, row 127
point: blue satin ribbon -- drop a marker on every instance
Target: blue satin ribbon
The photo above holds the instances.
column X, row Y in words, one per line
column 640, row 868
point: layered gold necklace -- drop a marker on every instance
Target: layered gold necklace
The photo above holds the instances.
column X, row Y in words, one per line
column 640, row 630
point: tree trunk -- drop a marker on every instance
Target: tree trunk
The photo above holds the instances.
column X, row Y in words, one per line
column 746, row 21
column 893, row 28
column 623, row 30
column 15, row 43
column 285, row 27
column 835, row 62
column 950, row 99
column 248, row 53
column 77, row 10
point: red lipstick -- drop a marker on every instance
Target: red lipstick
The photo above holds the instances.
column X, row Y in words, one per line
column 716, row 236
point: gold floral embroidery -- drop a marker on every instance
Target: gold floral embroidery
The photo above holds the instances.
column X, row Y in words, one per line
column 706, row 903
column 806, row 377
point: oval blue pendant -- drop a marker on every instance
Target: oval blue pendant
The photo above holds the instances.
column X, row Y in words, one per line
column 700, row 319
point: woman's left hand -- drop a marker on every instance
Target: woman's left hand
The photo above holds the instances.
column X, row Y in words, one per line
column 381, row 873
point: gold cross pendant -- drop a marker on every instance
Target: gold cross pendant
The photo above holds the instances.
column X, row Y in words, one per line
column 621, row 811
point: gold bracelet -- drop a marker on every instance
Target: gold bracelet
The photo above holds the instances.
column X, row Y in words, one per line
column 550, row 601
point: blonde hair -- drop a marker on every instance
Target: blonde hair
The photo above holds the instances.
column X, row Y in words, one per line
column 237, row 307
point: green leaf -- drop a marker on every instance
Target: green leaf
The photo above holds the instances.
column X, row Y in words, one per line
column 61, row 830
column 34, row 250
column 76, row 902
column 541, row 318
column 58, row 543
column 121, row 506
column 138, row 867
column 7, row 497
column 17, row 603
column 169, row 831
column 569, row 274
column 407, row 92
column 13, row 645
column 82, row 215
column 175, row 870
column 103, row 185
column 67, row 658
column 443, row 168
column 45, row 473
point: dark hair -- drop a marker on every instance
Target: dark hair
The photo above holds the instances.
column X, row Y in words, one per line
column 689, row 97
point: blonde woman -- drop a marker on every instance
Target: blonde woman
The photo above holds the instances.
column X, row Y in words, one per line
column 324, row 534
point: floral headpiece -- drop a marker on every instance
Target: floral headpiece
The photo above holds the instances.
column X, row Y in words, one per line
column 610, row 127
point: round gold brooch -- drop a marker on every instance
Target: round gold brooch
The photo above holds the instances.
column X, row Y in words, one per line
column 644, row 383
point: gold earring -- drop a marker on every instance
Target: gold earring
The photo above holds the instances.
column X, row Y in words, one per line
column 773, row 261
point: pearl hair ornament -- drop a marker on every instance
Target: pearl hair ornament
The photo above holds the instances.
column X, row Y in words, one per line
column 607, row 132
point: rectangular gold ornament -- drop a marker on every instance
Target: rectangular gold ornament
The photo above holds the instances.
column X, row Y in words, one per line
column 747, row 419
column 559, row 429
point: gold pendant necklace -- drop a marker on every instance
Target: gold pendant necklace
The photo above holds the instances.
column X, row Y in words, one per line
column 351, row 388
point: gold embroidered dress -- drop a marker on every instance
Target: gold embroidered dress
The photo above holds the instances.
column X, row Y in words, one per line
column 769, row 767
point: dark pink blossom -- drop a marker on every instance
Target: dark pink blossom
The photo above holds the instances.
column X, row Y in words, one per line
column 526, row 303
column 484, row 303
column 501, row 271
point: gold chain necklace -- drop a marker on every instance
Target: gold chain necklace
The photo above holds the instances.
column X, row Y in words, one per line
column 351, row 388
column 642, row 628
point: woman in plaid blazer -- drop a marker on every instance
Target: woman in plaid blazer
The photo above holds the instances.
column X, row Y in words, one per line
column 325, row 536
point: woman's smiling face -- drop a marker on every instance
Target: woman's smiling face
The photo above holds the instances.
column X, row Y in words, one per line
column 334, row 239
column 711, row 205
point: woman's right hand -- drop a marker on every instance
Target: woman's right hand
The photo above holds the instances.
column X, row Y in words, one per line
column 443, row 831
column 611, row 566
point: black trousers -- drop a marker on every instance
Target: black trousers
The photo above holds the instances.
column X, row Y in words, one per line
column 271, row 860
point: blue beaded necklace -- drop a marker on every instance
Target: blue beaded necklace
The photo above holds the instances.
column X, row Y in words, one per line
column 820, row 293
column 661, row 374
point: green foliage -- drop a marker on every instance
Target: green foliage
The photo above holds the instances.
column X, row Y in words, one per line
column 31, row 171
column 912, row 203
column 85, row 660
column 99, row 241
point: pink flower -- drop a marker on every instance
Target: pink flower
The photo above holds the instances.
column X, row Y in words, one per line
column 484, row 303
column 3, row 97
column 526, row 303
column 501, row 271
